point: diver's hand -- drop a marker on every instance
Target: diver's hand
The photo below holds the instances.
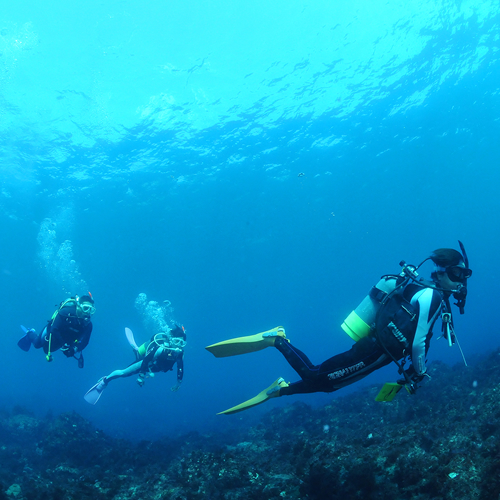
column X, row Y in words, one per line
column 412, row 379
column 68, row 350
column 176, row 387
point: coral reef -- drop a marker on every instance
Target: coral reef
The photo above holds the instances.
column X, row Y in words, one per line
column 442, row 443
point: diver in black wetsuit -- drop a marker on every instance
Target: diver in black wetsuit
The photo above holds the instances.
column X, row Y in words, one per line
column 69, row 329
column 393, row 323
column 159, row 354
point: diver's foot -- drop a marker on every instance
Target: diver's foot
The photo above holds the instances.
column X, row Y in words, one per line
column 274, row 334
column 94, row 393
column 274, row 391
column 102, row 383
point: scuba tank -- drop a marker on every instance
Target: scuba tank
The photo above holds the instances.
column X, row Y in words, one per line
column 385, row 296
column 361, row 321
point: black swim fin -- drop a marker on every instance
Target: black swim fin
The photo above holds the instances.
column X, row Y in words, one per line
column 25, row 341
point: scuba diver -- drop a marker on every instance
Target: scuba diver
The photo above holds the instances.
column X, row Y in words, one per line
column 159, row 354
column 69, row 329
column 392, row 324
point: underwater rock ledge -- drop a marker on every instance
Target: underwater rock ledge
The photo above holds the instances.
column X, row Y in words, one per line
column 443, row 443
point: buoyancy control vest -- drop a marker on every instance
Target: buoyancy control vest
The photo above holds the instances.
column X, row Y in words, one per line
column 67, row 302
column 397, row 318
column 387, row 314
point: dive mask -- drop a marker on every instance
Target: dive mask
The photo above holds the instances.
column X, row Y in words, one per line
column 458, row 274
column 87, row 308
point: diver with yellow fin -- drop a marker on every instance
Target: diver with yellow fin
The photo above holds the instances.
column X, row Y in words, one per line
column 392, row 324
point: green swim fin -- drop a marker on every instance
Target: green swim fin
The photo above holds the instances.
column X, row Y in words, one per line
column 244, row 345
column 273, row 391
column 388, row 391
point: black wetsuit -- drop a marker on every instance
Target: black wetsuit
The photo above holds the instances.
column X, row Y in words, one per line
column 367, row 355
column 66, row 328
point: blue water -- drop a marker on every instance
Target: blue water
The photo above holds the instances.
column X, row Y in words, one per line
column 256, row 164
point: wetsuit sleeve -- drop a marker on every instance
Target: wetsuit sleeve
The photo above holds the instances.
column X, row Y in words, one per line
column 180, row 367
column 83, row 342
column 428, row 303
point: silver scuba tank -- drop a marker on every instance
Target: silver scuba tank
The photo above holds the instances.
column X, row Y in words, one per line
column 361, row 321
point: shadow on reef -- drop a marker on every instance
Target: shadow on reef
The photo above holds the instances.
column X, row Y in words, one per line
column 443, row 443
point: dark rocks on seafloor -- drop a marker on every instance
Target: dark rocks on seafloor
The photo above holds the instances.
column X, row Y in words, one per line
column 444, row 443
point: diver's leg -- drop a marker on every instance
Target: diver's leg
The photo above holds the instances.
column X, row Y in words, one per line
column 302, row 387
column 133, row 369
column 296, row 359
column 343, row 369
column 94, row 393
column 361, row 359
column 38, row 340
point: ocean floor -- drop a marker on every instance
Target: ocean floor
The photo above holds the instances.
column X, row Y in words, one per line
column 442, row 443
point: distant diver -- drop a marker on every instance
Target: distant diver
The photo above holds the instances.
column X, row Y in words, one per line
column 392, row 324
column 159, row 354
column 68, row 329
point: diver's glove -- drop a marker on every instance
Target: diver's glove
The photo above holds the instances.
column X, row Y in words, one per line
column 69, row 350
column 177, row 386
column 141, row 379
column 412, row 379
column 143, row 376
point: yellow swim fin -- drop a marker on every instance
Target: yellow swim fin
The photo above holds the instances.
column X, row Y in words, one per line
column 244, row 345
column 388, row 391
column 273, row 391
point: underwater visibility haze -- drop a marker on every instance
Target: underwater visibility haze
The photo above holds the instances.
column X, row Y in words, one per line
column 244, row 165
